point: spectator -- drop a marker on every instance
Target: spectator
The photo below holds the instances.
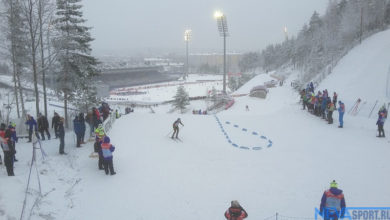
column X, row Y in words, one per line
column 332, row 203
column 61, row 135
column 32, row 124
column 43, row 126
column 235, row 211
column 54, row 123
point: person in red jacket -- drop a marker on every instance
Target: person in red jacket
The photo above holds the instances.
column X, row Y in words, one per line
column 235, row 211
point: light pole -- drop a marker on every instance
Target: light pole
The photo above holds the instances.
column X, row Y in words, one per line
column 187, row 39
column 223, row 32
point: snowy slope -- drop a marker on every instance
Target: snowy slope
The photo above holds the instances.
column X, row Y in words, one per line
column 158, row 178
column 364, row 73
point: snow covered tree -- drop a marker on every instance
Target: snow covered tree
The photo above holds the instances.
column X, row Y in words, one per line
column 17, row 44
column 181, row 99
column 73, row 49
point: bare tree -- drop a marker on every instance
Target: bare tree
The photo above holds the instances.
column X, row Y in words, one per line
column 30, row 8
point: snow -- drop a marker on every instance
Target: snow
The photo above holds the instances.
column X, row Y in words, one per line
column 159, row 178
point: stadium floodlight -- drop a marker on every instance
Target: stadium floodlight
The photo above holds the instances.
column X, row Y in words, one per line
column 187, row 39
column 223, row 32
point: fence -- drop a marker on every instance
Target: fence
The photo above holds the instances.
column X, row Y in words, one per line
column 278, row 216
column 107, row 124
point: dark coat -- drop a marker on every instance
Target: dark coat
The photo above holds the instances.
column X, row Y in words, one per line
column 43, row 123
column 61, row 130
column 31, row 124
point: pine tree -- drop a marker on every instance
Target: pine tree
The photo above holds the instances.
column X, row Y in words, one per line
column 181, row 99
column 73, row 49
column 17, row 45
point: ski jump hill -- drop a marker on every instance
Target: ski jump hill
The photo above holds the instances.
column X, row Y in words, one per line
column 273, row 158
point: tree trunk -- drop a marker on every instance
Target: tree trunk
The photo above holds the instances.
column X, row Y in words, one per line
column 66, row 109
column 42, row 57
column 20, row 93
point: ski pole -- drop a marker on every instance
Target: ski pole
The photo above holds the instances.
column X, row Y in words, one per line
column 372, row 109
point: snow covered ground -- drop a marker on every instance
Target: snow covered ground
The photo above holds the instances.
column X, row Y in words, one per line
column 273, row 158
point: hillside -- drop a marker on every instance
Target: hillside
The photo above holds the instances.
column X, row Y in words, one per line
column 273, row 158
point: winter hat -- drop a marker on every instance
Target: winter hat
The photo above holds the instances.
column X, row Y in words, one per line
column 106, row 140
column 333, row 184
column 235, row 204
column 13, row 124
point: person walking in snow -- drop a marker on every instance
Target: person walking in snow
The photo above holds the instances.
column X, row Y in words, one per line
column 107, row 150
column 32, row 124
column 341, row 111
column 43, row 126
column 332, row 203
column 235, row 211
column 82, row 127
column 176, row 128
column 61, row 135
column 382, row 115
column 247, row 107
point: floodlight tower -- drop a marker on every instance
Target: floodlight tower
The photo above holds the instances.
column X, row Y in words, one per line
column 187, row 39
column 285, row 33
column 223, row 32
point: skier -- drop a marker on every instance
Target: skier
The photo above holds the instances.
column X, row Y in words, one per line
column 107, row 150
column 32, row 124
column 61, row 135
column 176, row 128
column 54, row 123
column 382, row 115
column 43, row 126
column 341, row 110
column 247, row 107
column 235, row 211
column 332, row 203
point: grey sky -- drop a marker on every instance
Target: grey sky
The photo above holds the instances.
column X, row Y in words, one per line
column 137, row 25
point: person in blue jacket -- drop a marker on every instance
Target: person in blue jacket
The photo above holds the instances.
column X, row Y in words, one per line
column 77, row 130
column 333, row 203
column 382, row 115
column 341, row 110
column 107, row 150
column 32, row 124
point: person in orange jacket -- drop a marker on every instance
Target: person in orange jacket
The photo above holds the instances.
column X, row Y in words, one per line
column 235, row 211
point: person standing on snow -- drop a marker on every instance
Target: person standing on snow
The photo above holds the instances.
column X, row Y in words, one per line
column 341, row 110
column 176, row 128
column 32, row 124
column 14, row 137
column 330, row 112
column 332, row 203
column 54, row 123
column 382, row 115
column 235, row 211
column 107, row 150
column 43, row 126
column 9, row 151
column 61, row 135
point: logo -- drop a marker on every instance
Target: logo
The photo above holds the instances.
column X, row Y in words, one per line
column 354, row 213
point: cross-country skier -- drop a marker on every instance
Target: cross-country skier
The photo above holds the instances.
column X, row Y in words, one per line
column 341, row 110
column 176, row 128
column 332, row 203
column 235, row 211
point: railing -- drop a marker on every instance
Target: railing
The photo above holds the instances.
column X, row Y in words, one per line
column 107, row 124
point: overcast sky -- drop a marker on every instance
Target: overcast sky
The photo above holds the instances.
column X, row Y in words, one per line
column 158, row 25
